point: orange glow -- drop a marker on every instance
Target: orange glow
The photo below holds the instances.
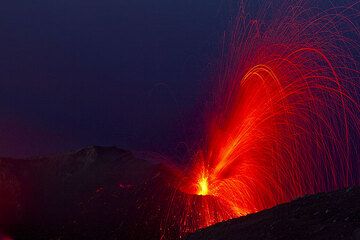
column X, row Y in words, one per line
column 203, row 186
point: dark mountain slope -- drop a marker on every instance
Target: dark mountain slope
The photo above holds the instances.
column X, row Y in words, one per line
column 93, row 193
column 334, row 215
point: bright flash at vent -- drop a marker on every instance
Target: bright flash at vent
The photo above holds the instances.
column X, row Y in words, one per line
column 203, row 186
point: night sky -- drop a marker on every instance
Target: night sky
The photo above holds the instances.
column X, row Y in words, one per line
column 128, row 73
column 133, row 73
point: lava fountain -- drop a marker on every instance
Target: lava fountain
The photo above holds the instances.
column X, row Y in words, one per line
column 284, row 121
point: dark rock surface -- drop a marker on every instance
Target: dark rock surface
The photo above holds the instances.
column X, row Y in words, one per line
column 334, row 215
column 93, row 193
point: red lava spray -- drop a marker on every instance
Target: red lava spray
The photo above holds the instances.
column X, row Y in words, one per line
column 285, row 120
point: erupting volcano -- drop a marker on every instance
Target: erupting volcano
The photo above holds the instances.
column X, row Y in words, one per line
column 280, row 120
column 284, row 120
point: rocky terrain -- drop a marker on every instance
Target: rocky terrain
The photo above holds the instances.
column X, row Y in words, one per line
column 93, row 193
column 108, row 193
column 334, row 215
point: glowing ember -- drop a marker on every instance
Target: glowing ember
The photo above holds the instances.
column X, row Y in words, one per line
column 203, row 186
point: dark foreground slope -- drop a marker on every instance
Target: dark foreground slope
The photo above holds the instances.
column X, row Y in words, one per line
column 334, row 215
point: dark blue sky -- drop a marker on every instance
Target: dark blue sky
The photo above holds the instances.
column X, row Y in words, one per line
column 127, row 73
column 131, row 73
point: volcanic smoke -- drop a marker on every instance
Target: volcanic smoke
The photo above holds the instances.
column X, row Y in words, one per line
column 284, row 121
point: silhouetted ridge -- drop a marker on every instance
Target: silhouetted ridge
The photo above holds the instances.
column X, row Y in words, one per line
column 334, row 215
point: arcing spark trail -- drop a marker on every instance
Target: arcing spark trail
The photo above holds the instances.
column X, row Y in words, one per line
column 285, row 121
